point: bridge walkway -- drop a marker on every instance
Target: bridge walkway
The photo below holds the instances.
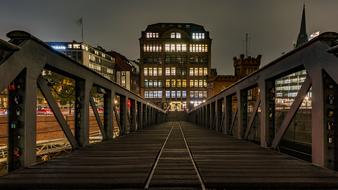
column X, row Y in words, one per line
column 173, row 155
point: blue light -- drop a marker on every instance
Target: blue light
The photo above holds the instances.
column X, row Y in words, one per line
column 58, row 47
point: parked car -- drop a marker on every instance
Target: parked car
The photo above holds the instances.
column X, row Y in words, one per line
column 44, row 111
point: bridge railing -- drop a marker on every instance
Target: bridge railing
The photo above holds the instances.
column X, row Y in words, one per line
column 290, row 104
column 22, row 62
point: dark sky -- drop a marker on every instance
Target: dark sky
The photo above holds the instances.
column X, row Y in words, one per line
column 116, row 24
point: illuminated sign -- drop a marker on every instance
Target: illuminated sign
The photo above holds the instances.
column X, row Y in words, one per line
column 58, row 47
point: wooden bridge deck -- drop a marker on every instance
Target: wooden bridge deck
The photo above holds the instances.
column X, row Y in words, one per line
column 173, row 155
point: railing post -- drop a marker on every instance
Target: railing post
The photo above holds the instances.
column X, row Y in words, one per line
column 82, row 95
column 133, row 115
column 145, row 113
column 208, row 116
column 242, row 112
column 228, row 114
column 139, row 115
column 108, row 114
column 264, row 119
column 123, row 115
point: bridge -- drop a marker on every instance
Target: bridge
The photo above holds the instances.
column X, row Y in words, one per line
column 274, row 129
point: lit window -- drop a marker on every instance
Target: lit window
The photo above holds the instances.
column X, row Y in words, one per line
column 173, row 94
column 200, row 71
column 159, row 83
column 150, row 72
column 167, row 47
column 184, row 83
column 173, row 71
column 167, row 82
column 196, row 83
column 191, row 71
column 205, row 83
column 191, row 82
column 205, row 71
column 172, row 47
column 175, row 35
column 151, row 35
column 146, row 94
column 184, row 94
column 155, row 83
column 155, row 72
column 145, row 71
column 173, row 82
column 167, row 71
column 159, row 72
column 184, row 47
column 76, row 46
column 146, row 83
column 178, row 94
column 196, row 71
column 198, row 36
column 178, row 83
column 167, row 94
column 150, row 83
column 200, row 83
column 70, row 45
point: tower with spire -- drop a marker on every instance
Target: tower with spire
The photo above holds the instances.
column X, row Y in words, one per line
column 302, row 36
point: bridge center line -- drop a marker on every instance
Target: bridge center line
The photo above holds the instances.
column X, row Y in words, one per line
column 192, row 159
column 157, row 160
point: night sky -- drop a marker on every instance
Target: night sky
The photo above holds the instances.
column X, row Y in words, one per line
column 117, row 24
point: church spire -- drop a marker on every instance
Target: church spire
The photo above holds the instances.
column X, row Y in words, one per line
column 302, row 36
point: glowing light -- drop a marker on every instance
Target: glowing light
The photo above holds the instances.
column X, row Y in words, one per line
column 58, row 47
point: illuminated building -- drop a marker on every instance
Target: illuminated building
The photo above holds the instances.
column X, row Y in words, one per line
column 174, row 64
column 94, row 58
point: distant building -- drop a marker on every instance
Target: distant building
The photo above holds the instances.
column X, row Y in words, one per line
column 174, row 62
column 127, row 72
column 243, row 66
column 94, row 58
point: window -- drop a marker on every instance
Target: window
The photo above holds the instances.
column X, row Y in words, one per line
column 167, row 94
column 173, row 94
column 205, row 71
column 204, row 94
column 173, row 71
column 155, row 83
column 172, row 47
column 175, row 35
column 178, row 83
column 152, row 35
column 167, row 47
column 178, row 94
column 159, row 83
column 196, row 71
column 167, row 71
column 198, row 48
column 167, row 82
column 159, row 72
column 146, row 83
column 205, row 83
column 145, row 71
column 150, row 83
column 146, row 94
column 200, row 83
column 198, row 36
column 173, row 83
column 184, row 83
column 196, row 83
column 191, row 71
column 200, row 71
column 184, row 94
column 150, row 70
column 175, row 47
column 155, row 72
column 191, row 83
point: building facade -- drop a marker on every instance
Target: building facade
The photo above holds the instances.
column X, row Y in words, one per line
column 243, row 66
column 95, row 58
column 174, row 64
column 127, row 72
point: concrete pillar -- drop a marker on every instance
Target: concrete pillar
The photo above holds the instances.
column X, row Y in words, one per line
column 133, row 115
column 123, row 115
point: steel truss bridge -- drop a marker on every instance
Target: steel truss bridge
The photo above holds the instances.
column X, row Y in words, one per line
column 232, row 141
